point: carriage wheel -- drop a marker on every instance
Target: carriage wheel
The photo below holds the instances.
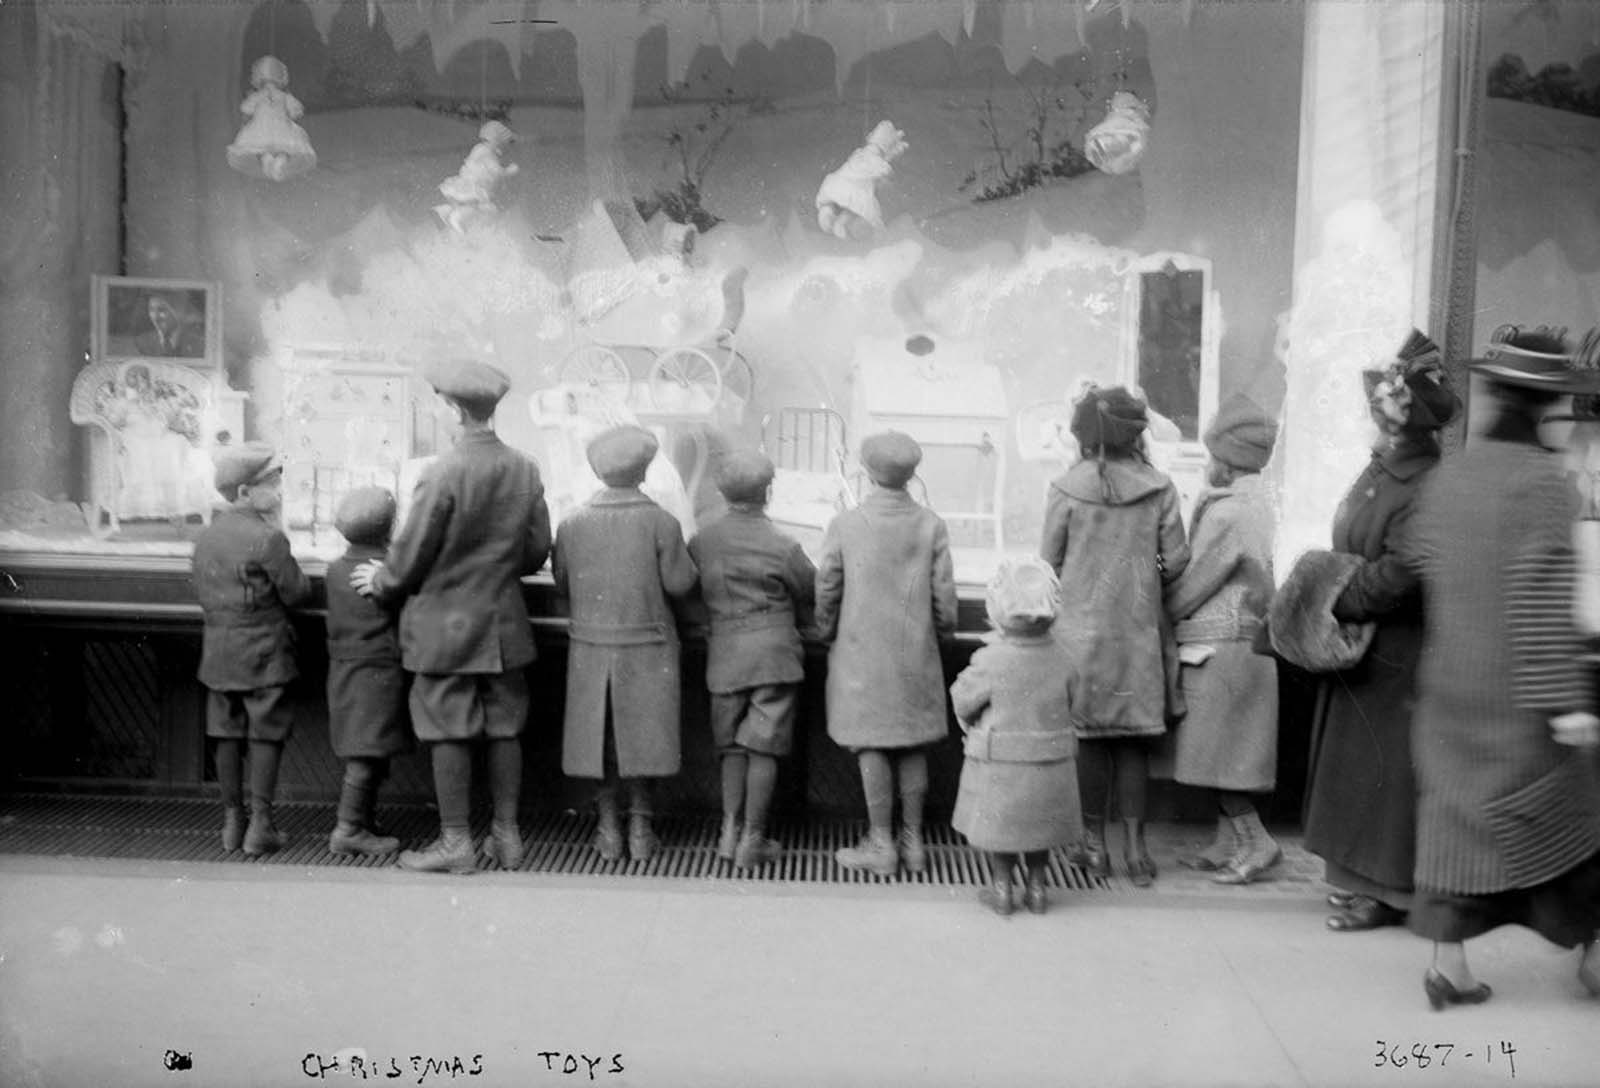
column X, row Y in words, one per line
column 599, row 368
column 684, row 378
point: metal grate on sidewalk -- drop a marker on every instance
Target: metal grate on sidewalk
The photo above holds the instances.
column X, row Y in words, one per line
column 183, row 829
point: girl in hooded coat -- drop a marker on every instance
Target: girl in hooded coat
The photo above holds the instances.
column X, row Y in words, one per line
column 1113, row 532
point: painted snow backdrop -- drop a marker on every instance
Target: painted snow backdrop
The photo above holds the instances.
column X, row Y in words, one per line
column 352, row 251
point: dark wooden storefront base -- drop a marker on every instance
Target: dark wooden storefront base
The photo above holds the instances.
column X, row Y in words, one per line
column 99, row 684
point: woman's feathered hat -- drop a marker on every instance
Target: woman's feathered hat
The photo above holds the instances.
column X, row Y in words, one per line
column 1419, row 384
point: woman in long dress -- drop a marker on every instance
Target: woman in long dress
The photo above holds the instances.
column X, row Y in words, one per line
column 1360, row 807
column 1508, row 821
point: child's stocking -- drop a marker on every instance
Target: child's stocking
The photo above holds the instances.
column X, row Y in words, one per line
column 734, row 772
column 230, row 780
column 912, row 770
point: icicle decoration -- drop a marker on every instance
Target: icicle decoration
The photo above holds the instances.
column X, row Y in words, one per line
column 270, row 144
column 1118, row 142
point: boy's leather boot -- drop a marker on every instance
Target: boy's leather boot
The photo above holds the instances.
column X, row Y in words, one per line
column 728, row 839
column 608, row 833
column 232, row 827
column 451, row 852
column 912, row 851
column 351, row 839
column 642, row 841
column 263, row 836
column 1033, row 893
column 997, row 895
column 504, row 844
column 875, row 853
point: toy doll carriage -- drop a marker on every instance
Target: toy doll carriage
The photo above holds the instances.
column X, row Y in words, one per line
column 655, row 335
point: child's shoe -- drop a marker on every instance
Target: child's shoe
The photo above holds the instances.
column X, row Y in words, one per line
column 232, row 827
column 997, row 897
column 1033, row 893
column 728, row 840
column 912, row 852
column 263, row 836
column 875, row 853
column 350, row 839
column 504, row 845
column 451, row 852
column 608, row 838
column 642, row 841
column 755, row 850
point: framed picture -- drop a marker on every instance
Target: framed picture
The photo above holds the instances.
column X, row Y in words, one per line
column 156, row 319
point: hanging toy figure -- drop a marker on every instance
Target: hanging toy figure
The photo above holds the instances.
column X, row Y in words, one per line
column 270, row 144
column 1118, row 142
column 847, row 201
column 471, row 191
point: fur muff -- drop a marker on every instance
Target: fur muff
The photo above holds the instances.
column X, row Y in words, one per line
column 1300, row 617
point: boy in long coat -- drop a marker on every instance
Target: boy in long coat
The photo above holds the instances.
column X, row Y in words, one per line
column 620, row 561
column 758, row 587
column 1114, row 535
column 1361, row 795
column 247, row 581
column 1228, row 741
column 366, row 684
column 1019, row 782
column 478, row 523
column 886, row 599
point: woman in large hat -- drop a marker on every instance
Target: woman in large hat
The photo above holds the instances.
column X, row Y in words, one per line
column 1361, row 799
column 1508, row 819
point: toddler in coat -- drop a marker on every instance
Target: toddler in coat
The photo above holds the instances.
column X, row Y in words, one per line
column 247, row 580
column 886, row 600
column 1019, row 784
column 621, row 562
column 366, row 685
column 758, row 587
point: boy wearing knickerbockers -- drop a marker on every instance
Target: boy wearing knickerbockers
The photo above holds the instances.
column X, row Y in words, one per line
column 366, row 685
column 620, row 561
column 478, row 523
column 247, row 581
column 886, row 599
column 758, row 586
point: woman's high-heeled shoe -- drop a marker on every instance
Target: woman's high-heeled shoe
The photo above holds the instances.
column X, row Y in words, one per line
column 1441, row 991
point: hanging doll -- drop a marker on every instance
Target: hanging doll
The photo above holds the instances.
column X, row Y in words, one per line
column 471, row 191
column 270, row 144
column 1117, row 143
column 847, row 201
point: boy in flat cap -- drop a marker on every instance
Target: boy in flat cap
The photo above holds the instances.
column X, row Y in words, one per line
column 620, row 561
column 1228, row 742
column 366, row 685
column 886, row 599
column 247, row 581
column 1113, row 533
column 758, row 586
column 477, row 524
column 1019, row 782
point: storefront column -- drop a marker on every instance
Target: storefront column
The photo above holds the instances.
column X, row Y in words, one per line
column 1366, row 217
column 59, row 127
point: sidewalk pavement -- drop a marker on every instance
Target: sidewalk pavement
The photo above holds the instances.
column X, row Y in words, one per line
column 111, row 971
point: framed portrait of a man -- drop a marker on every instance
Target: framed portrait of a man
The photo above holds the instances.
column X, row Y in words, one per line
column 136, row 318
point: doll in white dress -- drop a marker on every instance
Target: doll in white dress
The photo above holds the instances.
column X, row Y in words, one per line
column 471, row 191
column 847, row 201
column 270, row 144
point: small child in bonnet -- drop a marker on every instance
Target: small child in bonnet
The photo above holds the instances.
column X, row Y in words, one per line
column 1019, row 783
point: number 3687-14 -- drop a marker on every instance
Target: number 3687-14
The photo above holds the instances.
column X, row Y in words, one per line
column 1423, row 1055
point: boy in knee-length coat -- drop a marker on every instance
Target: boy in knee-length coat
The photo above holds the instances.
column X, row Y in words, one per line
column 620, row 561
column 886, row 600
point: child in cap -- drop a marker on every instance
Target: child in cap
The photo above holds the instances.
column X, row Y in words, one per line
column 758, row 587
column 366, row 685
column 886, row 599
column 1228, row 743
column 1019, row 784
column 478, row 523
column 1113, row 533
column 621, row 563
column 247, row 581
